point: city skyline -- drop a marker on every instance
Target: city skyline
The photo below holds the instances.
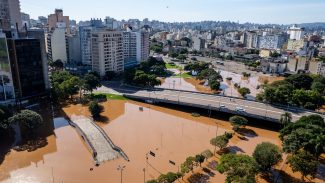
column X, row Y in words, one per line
column 254, row 11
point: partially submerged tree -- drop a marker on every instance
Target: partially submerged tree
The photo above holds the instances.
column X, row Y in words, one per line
column 199, row 158
column 308, row 133
column 221, row 141
column 238, row 168
column 305, row 163
column 267, row 155
column 95, row 109
column 244, row 91
column 27, row 118
column 237, row 122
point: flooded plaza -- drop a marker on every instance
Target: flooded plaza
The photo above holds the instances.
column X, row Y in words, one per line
column 171, row 134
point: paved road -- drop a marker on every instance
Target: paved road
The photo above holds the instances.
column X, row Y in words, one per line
column 97, row 141
column 217, row 102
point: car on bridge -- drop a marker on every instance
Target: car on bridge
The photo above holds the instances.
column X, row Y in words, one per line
column 240, row 109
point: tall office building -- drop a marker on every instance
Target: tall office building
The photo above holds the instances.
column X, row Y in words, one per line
column 40, row 35
column 107, row 51
column 27, row 67
column 57, row 48
column 58, row 20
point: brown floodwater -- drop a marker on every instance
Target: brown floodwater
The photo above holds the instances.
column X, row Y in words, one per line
column 170, row 134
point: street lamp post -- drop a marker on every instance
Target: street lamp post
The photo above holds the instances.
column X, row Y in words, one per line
column 121, row 168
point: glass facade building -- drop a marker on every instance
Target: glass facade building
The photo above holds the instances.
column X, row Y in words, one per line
column 6, row 83
column 26, row 65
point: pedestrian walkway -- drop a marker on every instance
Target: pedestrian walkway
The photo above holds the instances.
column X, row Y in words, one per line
column 100, row 144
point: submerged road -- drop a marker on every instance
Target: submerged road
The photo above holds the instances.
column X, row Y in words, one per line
column 238, row 106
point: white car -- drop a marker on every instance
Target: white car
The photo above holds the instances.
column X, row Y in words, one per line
column 222, row 106
column 239, row 109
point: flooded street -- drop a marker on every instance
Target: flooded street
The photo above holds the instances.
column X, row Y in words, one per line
column 170, row 134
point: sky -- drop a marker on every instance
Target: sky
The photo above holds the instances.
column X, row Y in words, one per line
column 255, row 11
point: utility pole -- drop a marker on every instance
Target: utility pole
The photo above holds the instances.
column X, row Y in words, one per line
column 121, row 168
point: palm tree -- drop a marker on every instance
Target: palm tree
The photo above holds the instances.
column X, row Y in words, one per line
column 285, row 118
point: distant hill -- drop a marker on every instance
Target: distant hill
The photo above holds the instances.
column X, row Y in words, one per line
column 313, row 26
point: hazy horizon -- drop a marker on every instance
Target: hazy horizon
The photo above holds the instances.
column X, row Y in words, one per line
column 242, row 11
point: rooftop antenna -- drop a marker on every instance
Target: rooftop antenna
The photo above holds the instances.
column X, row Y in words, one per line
column 17, row 30
column 26, row 29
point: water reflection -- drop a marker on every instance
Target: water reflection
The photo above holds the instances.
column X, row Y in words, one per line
column 60, row 122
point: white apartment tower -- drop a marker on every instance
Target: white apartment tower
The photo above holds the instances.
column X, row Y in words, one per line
column 107, row 51
column 135, row 48
column 57, row 48
column 296, row 33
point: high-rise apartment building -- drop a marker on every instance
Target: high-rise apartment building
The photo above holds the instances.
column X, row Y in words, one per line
column 57, row 47
column 198, row 43
column 25, row 19
column 271, row 42
column 74, row 53
column 296, row 33
column 145, row 45
column 131, row 48
column 107, row 51
column 85, row 40
column 58, row 20
column 10, row 16
column 15, row 15
column 4, row 16
column 135, row 48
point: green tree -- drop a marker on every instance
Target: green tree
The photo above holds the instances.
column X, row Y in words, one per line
column 5, row 113
column 181, row 57
column 170, row 177
column 91, row 82
column 70, row 86
column 199, row 158
column 307, row 133
column 27, row 118
column 57, row 65
column 237, row 122
column 305, row 163
column 152, row 181
column 95, row 109
column 221, row 141
column 244, row 91
column 267, row 155
column 238, row 168
column 300, row 81
column 319, row 87
column 188, row 165
column 286, row 118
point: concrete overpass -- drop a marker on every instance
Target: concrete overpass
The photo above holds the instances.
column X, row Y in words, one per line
column 232, row 105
